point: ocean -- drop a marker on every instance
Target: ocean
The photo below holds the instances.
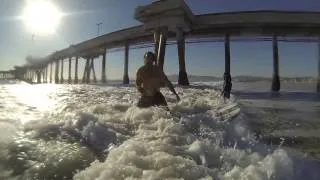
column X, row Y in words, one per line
column 86, row 132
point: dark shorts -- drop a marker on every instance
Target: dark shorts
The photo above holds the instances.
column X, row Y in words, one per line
column 156, row 100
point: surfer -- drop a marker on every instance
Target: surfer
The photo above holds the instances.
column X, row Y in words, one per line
column 149, row 79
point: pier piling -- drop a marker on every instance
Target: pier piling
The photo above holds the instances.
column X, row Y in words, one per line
column 126, row 64
column 275, row 79
column 183, row 77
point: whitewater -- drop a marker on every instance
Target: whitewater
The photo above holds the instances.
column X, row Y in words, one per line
column 86, row 132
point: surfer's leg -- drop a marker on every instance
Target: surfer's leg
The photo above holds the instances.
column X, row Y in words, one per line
column 145, row 102
column 159, row 100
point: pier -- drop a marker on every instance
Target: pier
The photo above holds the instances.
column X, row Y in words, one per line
column 6, row 75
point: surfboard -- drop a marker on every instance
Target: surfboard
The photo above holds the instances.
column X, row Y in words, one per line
column 229, row 112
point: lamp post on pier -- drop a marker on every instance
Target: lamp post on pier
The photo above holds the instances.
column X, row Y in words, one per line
column 98, row 28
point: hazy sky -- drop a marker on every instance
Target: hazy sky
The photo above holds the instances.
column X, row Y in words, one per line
column 254, row 58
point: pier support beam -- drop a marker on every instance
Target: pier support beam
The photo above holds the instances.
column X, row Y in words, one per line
column 227, row 86
column 86, row 74
column 50, row 78
column 183, row 77
column 45, row 76
column 88, row 79
column 103, row 74
column 93, row 71
column 32, row 75
column 61, row 78
column 47, row 73
column 56, row 79
column 35, row 76
column 38, row 74
column 275, row 79
column 69, row 72
column 126, row 64
column 76, row 70
column 318, row 80
column 162, row 47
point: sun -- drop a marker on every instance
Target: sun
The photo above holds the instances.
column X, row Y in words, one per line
column 41, row 16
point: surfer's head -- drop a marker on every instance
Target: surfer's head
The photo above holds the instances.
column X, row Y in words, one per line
column 149, row 58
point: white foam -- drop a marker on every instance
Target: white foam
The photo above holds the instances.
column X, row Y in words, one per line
column 8, row 132
column 162, row 148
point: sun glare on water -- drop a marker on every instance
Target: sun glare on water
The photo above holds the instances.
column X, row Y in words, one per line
column 41, row 16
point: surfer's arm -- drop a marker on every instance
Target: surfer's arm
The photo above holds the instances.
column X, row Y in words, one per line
column 139, row 82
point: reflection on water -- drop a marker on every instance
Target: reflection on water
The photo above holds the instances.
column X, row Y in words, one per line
column 91, row 132
column 34, row 97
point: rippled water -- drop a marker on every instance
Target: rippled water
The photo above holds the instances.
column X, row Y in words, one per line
column 96, row 132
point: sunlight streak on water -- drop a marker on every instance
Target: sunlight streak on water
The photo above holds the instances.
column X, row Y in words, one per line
column 35, row 97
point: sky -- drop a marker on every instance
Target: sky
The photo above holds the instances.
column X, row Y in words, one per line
column 79, row 24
